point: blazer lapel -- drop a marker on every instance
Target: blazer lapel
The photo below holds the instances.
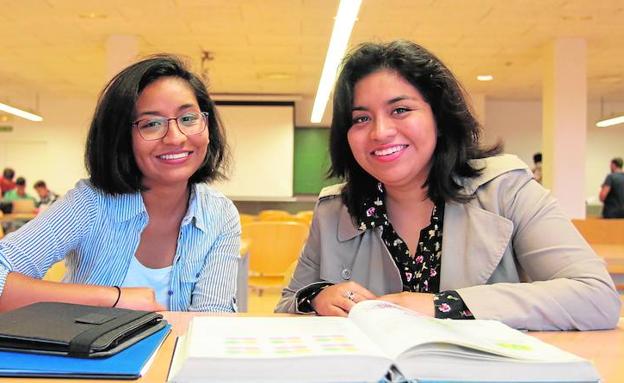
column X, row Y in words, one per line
column 473, row 243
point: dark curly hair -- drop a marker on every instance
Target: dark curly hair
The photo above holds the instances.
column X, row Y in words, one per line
column 457, row 128
column 109, row 157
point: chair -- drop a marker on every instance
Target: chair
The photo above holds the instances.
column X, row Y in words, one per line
column 290, row 271
column 305, row 216
column 273, row 247
column 274, row 215
column 247, row 218
column 23, row 206
column 56, row 272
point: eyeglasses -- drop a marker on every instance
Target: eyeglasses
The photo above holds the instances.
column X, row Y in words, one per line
column 156, row 128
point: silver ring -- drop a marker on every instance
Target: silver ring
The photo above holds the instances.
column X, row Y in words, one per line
column 350, row 295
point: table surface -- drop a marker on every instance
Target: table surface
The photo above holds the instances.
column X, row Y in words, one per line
column 612, row 254
column 604, row 348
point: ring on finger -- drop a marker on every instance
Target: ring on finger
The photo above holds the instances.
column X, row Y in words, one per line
column 350, row 295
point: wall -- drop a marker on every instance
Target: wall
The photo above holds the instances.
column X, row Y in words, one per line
column 518, row 123
column 66, row 122
column 51, row 150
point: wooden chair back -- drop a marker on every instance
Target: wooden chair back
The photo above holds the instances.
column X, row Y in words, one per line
column 247, row 218
column 274, row 215
column 56, row 272
column 273, row 247
column 305, row 216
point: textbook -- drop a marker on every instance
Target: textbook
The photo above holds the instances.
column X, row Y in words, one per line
column 130, row 363
column 379, row 341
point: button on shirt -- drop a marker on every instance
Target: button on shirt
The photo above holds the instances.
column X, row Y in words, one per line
column 98, row 235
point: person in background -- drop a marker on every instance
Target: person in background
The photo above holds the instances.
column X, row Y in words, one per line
column 612, row 191
column 46, row 196
column 19, row 192
column 537, row 167
column 430, row 220
column 6, row 182
column 145, row 231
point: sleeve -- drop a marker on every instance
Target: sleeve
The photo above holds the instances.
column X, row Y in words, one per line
column 305, row 296
column 50, row 236
column 608, row 181
column 306, row 275
column 449, row 305
column 568, row 285
column 215, row 290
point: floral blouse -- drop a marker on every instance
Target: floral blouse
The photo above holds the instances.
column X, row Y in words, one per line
column 420, row 273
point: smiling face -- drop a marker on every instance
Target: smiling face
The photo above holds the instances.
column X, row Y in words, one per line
column 174, row 158
column 393, row 135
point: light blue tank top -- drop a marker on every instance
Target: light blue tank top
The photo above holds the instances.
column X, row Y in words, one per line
column 158, row 279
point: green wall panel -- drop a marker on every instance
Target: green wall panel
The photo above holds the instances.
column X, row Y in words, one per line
column 311, row 160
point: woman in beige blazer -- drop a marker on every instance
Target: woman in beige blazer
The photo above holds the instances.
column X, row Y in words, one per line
column 430, row 220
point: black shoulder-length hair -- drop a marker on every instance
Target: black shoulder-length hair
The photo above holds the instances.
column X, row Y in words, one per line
column 109, row 156
column 457, row 128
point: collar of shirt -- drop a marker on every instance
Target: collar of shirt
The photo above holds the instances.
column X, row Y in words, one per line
column 127, row 206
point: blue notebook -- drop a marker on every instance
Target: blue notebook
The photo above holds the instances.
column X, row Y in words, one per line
column 127, row 364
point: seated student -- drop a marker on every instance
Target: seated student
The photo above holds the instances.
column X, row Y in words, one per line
column 430, row 220
column 19, row 192
column 46, row 196
column 144, row 231
column 6, row 181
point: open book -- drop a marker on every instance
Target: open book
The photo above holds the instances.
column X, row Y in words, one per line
column 378, row 340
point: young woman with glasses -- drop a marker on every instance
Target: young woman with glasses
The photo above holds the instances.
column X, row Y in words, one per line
column 145, row 231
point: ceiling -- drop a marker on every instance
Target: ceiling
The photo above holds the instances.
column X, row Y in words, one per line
column 278, row 46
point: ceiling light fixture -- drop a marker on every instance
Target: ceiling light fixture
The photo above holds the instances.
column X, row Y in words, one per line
column 610, row 121
column 343, row 25
column 485, row 77
column 20, row 113
column 605, row 122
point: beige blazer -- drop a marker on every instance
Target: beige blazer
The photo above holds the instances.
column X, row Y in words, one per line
column 510, row 253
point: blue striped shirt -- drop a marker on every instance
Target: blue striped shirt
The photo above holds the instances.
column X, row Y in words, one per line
column 98, row 234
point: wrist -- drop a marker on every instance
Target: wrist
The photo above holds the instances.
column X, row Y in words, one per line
column 118, row 291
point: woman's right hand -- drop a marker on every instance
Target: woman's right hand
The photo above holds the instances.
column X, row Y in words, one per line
column 138, row 298
column 337, row 300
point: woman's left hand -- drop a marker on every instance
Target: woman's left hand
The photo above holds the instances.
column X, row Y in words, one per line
column 420, row 302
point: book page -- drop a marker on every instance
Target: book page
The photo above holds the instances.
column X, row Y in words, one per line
column 282, row 349
column 397, row 329
column 288, row 337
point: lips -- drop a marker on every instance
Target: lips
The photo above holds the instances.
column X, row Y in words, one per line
column 174, row 156
column 388, row 151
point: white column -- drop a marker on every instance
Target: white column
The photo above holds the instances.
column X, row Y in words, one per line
column 564, row 107
column 121, row 51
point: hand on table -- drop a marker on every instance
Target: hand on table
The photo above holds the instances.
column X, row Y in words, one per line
column 337, row 300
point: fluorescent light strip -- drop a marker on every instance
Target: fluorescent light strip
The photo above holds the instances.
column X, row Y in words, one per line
column 343, row 25
column 20, row 113
column 610, row 122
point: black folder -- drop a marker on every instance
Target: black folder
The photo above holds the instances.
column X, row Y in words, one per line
column 75, row 330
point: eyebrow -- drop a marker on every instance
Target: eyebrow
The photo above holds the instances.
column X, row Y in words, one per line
column 389, row 102
column 156, row 113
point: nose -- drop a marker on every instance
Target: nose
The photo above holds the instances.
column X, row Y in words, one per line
column 174, row 135
column 383, row 129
